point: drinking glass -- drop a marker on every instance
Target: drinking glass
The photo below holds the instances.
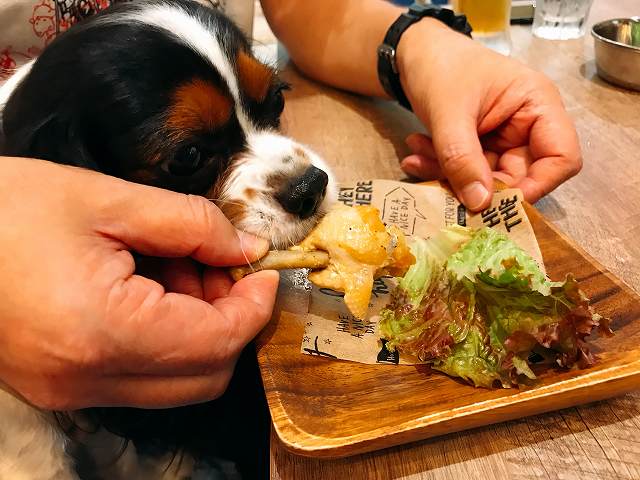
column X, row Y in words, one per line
column 489, row 20
column 561, row 19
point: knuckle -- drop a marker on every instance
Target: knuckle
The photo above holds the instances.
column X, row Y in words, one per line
column 201, row 214
column 541, row 79
column 220, row 382
column 224, row 354
column 540, row 85
column 568, row 163
column 549, row 85
column 575, row 166
column 233, row 347
column 454, row 157
column 78, row 355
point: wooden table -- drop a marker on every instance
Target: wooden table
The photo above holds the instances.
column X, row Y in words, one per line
column 599, row 209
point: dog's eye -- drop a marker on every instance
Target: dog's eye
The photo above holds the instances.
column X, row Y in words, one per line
column 277, row 101
column 273, row 106
column 186, row 161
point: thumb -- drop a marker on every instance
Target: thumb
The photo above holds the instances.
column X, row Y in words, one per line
column 178, row 334
column 460, row 156
column 160, row 223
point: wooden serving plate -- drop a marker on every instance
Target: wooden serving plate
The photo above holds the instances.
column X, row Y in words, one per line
column 329, row 408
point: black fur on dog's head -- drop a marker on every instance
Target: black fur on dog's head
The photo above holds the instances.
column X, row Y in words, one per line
column 100, row 97
column 168, row 93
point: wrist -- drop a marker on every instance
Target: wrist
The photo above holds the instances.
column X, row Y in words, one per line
column 408, row 41
column 413, row 46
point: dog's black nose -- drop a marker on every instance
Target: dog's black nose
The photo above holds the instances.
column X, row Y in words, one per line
column 302, row 195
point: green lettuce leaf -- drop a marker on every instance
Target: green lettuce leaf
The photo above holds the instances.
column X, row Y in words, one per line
column 478, row 307
column 472, row 359
column 500, row 261
column 419, row 317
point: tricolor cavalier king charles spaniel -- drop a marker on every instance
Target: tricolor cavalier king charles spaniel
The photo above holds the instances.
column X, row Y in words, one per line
column 165, row 93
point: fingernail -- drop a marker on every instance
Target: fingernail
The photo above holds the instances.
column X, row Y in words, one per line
column 474, row 195
column 410, row 163
column 255, row 247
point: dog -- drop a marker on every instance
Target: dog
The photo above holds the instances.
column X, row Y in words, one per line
column 165, row 93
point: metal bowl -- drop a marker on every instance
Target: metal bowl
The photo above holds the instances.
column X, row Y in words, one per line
column 617, row 45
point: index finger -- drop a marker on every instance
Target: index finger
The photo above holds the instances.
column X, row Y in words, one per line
column 160, row 223
column 555, row 149
column 544, row 176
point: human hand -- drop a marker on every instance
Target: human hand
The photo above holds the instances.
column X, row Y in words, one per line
column 81, row 327
column 489, row 117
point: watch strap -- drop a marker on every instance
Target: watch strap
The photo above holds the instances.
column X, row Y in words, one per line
column 387, row 67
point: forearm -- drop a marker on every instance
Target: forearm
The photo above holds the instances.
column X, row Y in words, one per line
column 335, row 41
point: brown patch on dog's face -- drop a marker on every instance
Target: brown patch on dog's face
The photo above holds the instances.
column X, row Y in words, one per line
column 299, row 152
column 235, row 211
column 255, row 78
column 276, row 181
column 197, row 106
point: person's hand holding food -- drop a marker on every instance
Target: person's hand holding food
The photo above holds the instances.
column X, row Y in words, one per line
column 87, row 324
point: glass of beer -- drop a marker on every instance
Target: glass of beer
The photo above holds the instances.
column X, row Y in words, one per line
column 490, row 20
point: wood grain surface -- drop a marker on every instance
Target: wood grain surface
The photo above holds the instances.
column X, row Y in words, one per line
column 327, row 408
column 599, row 210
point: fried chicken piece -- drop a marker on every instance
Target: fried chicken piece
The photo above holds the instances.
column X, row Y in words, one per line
column 360, row 249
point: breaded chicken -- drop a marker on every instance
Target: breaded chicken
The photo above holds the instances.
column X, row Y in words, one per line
column 361, row 248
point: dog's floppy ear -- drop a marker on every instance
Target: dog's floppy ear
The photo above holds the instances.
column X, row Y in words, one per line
column 54, row 138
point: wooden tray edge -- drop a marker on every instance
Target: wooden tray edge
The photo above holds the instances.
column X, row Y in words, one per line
column 603, row 384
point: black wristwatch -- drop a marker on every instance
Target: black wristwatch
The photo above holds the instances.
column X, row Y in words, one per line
column 387, row 69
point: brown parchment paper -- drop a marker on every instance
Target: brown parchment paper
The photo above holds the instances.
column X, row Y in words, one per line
column 419, row 210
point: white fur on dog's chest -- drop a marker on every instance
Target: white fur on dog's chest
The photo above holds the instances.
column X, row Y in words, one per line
column 31, row 445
